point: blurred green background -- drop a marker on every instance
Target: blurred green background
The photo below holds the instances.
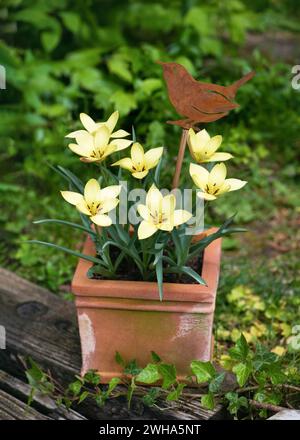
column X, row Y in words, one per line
column 63, row 57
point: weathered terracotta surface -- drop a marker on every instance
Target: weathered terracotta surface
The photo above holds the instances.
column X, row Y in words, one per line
column 128, row 317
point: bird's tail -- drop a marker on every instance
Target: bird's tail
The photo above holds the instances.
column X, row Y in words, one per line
column 236, row 85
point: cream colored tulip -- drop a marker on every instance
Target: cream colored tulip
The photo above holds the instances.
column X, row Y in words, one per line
column 159, row 213
column 95, row 202
column 92, row 127
column 213, row 183
column 140, row 163
column 96, row 148
column 203, row 147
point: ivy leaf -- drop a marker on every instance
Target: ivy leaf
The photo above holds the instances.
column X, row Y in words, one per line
column 92, row 377
column 215, row 384
column 75, row 387
column 119, row 359
column 155, row 357
column 168, row 373
column 112, row 385
column 83, row 396
column 242, row 372
column 204, row 371
column 208, row 401
column 174, row 395
column 150, row 398
column 132, row 368
column 149, row 374
column 235, row 402
column 240, row 350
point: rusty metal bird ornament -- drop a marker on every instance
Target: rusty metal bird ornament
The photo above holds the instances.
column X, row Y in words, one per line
column 197, row 101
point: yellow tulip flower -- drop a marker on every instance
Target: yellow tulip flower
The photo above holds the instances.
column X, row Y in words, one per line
column 159, row 213
column 96, row 148
column 91, row 126
column 213, row 183
column 203, row 147
column 95, row 202
column 140, row 163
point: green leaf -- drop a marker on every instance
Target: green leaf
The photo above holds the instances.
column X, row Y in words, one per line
column 113, row 383
column 132, row 368
column 75, row 387
column 92, row 377
column 150, row 398
column 83, row 396
column 215, row 384
column 168, row 374
column 66, row 223
column 72, row 21
column 68, row 251
column 174, row 395
column 159, row 273
column 50, row 39
column 155, row 357
column 149, row 374
column 240, row 350
column 208, row 401
column 242, row 372
column 119, row 359
column 204, row 371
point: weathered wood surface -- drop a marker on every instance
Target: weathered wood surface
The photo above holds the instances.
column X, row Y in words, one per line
column 44, row 326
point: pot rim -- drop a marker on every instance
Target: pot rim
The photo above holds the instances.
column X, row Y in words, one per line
column 82, row 286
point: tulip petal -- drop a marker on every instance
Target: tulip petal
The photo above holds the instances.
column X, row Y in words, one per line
column 217, row 175
column 200, row 175
column 137, row 156
column 119, row 134
column 168, row 206
column 92, row 191
column 72, row 197
column 152, row 157
column 91, row 159
column 108, row 205
column 112, row 121
column 166, row 225
column 219, row 157
column 146, row 229
column 125, row 163
column 154, row 200
column 102, row 137
column 80, row 149
column 88, row 123
column 110, row 192
column 235, row 184
column 205, row 196
column 202, row 138
column 85, row 139
column 82, row 207
column 140, row 174
column 73, row 134
column 144, row 212
column 101, row 220
column 181, row 216
column 121, row 144
column 213, row 144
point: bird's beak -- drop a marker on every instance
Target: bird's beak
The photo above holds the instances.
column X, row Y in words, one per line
column 160, row 62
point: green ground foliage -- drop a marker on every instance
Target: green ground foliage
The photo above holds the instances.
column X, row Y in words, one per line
column 63, row 57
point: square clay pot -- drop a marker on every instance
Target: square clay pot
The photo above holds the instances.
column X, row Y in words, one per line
column 128, row 317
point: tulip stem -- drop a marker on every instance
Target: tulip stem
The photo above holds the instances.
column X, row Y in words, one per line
column 180, row 157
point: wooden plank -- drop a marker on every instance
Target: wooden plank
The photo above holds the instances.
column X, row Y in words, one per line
column 44, row 326
column 43, row 404
column 13, row 409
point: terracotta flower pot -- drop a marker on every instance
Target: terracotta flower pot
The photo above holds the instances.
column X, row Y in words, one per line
column 127, row 316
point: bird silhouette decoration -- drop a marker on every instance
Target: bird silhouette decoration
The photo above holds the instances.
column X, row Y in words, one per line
column 197, row 101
